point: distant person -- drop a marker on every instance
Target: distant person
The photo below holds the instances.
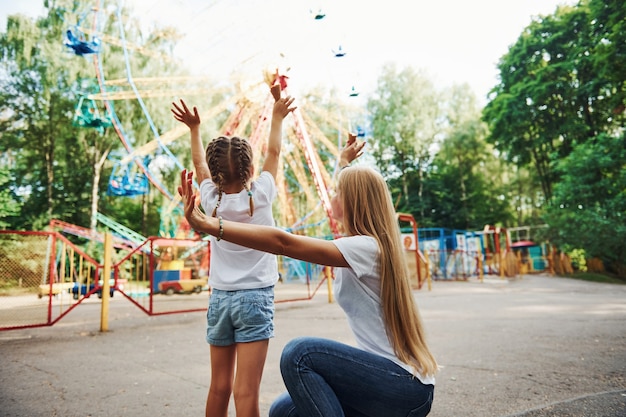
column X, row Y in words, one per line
column 391, row 371
column 240, row 318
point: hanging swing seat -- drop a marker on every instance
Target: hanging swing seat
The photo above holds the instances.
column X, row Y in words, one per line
column 319, row 15
column 123, row 182
column 339, row 52
column 88, row 115
column 79, row 45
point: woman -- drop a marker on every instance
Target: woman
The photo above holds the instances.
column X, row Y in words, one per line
column 391, row 372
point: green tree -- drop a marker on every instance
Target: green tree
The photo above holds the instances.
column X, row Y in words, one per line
column 589, row 205
column 62, row 169
column 464, row 145
column 559, row 107
column 406, row 122
column 549, row 98
column 608, row 23
column 37, row 103
column 9, row 205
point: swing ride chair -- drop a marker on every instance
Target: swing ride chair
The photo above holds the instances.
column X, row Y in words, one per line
column 88, row 115
column 79, row 45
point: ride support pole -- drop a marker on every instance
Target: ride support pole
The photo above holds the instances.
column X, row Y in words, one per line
column 106, row 276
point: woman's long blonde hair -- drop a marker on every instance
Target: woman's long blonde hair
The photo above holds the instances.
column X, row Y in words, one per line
column 368, row 210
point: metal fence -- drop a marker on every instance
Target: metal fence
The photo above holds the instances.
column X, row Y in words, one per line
column 45, row 275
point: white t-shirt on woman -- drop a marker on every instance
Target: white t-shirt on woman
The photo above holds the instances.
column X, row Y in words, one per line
column 357, row 290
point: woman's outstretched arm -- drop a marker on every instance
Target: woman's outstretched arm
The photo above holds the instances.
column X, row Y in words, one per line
column 263, row 238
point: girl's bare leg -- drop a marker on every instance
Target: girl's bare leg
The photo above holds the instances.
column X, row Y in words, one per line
column 250, row 362
column 222, row 373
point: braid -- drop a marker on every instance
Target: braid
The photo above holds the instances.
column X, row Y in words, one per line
column 229, row 159
column 251, row 200
column 244, row 154
column 216, row 155
column 219, row 199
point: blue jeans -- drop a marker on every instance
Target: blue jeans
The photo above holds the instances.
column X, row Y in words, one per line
column 327, row 378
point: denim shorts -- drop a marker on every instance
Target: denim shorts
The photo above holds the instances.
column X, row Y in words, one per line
column 240, row 316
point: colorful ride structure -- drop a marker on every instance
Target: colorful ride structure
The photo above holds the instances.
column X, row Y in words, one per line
column 309, row 157
column 462, row 254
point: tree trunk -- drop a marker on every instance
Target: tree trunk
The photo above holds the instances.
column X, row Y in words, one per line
column 463, row 192
column 49, row 155
column 420, row 188
column 144, row 214
column 95, row 188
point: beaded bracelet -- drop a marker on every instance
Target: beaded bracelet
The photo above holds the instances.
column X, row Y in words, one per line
column 221, row 232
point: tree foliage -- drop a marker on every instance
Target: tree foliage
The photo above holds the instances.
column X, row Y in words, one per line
column 439, row 167
column 589, row 206
column 59, row 170
column 36, row 102
column 559, row 107
column 406, row 121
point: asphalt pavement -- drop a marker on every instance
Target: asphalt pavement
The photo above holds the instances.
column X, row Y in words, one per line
column 533, row 346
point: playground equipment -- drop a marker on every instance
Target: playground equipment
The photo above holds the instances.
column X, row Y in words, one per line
column 127, row 180
column 339, row 52
column 417, row 262
column 532, row 254
column 452, row 253
column 87, row 114
column 319, row 15
column 499, row 258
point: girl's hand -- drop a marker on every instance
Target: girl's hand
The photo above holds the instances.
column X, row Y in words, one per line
column 182, row 114
column 283, row 106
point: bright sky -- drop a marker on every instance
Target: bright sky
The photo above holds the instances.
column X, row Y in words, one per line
column 454, row 41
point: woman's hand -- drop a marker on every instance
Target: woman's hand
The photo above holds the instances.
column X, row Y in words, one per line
column 199, row 221
column 351, row 151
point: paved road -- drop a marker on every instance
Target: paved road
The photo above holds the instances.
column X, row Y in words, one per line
column 535, row 346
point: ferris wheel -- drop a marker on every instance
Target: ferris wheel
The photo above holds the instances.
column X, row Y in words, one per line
column 309, row 156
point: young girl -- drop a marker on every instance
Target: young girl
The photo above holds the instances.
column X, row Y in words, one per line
column 391, row 372
column 241, row 305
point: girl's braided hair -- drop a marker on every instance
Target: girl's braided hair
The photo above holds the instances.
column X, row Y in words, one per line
column 229, row 160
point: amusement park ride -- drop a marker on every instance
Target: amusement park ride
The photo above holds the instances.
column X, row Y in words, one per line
column 309, row 156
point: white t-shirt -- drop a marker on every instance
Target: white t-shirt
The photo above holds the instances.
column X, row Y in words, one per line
column 357, row 290
column 235, row 267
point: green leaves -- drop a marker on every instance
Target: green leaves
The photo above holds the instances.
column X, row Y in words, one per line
column 589, row 205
